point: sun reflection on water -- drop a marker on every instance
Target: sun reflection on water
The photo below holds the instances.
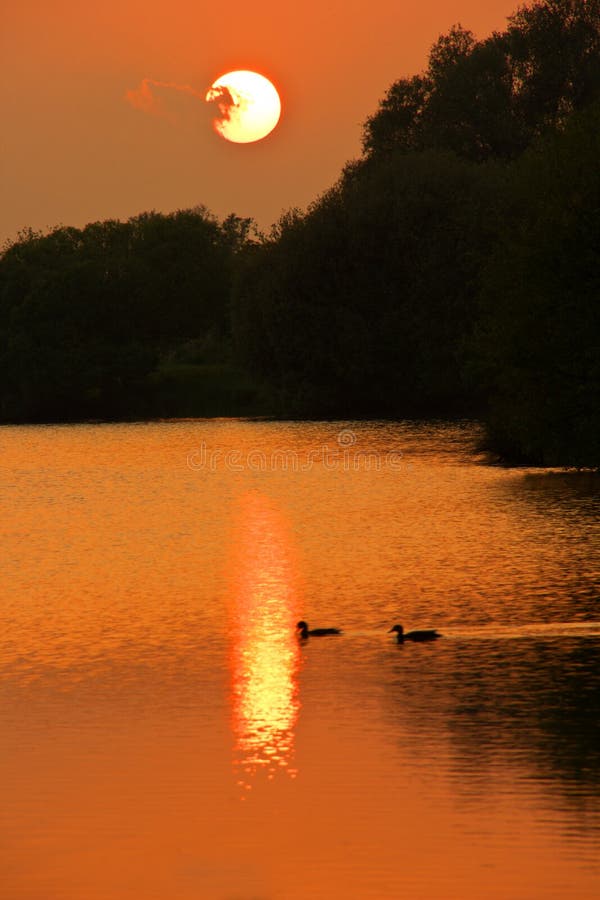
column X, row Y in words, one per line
column 264, row 655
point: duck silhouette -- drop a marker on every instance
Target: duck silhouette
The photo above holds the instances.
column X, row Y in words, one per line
column 430, row 635
column 305, row 632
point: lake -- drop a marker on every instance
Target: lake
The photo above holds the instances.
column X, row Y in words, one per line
column 166, row 736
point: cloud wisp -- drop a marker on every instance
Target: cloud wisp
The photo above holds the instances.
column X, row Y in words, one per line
column 156, row 99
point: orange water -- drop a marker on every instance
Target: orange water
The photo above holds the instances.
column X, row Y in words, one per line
column 165, row 735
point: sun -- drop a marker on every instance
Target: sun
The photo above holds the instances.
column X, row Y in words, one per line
column 248, row 104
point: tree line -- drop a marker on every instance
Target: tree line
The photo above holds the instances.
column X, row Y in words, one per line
column 121, row 319
column 452, row 270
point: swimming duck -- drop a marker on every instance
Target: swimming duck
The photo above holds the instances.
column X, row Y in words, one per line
column 302, row 627
column 414, row 635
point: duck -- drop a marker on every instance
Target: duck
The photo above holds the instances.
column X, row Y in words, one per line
column 430, row 635
column 305, row 632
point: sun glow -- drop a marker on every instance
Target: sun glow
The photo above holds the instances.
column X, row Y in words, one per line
column 248, row 106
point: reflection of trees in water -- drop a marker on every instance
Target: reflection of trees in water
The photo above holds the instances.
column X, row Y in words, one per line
column 524, row 704
column 563, row 493
column 555, row 516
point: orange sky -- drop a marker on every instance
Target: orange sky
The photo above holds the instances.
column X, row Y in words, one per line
column 74, row 151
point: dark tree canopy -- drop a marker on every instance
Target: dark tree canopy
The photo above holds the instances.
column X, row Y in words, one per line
column 538, row 343
column 364, row 305
column 491, row 98
column 85, row 314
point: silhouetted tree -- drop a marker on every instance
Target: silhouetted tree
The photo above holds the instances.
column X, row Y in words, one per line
column 365, row 304
column 491, row 98
column 539, row 332
column 86, row 314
